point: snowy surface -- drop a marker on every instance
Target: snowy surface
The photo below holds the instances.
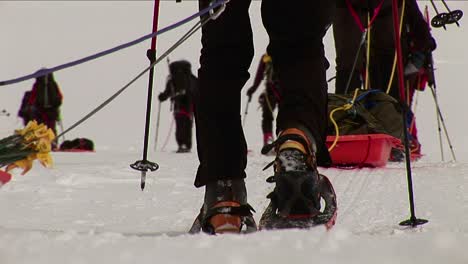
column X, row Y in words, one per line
column 89, row 208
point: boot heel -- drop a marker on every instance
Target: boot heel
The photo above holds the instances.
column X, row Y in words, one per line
column 226, row 223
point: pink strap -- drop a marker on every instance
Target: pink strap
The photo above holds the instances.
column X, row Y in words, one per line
column 358, row 20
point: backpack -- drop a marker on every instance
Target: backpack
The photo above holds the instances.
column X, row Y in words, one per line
column 47, row 93
column 373, row 112
column 26, row 109
column 181, row 78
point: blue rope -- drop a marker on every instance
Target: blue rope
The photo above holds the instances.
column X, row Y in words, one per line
column 361, row 96
column 43, row 72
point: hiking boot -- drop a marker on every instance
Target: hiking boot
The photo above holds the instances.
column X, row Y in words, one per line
column 183, row 149
column 397, row 155
column 299, row 187
column 415, row 148
column 225, row 209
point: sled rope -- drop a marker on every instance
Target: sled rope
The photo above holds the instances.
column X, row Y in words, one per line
column 344, row 108
column 42, row 72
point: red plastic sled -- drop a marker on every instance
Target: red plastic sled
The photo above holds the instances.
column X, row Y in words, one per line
column 73, row 150
column 4, row 177
column 367, row 150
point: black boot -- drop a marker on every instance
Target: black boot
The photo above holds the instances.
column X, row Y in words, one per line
column 225, row 209
column 183, row 149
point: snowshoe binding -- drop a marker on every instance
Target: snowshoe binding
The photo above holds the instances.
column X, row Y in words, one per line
column 296, row 199
column 225, row 209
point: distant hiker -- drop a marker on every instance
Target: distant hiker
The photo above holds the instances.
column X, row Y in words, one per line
column 180, row 88
column 26, row 111
column 270, row 97
column 297, row 51
column 351, row 18
column 46, row 99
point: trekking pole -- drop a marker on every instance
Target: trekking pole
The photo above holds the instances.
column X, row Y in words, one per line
column 168, row 135
column 413, row 221
column 439, row 112
column 453, row 16
column 361, row 43
column 156, row 135
column 440, row 19
column 433, row 86
column 246, row 111
column 61, row 130
column 144, row 165
column 431, row 81
column 439, row 131
column 440, row 119
column 156, row 131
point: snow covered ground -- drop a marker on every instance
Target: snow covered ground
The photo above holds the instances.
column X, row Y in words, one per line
column 89, row 208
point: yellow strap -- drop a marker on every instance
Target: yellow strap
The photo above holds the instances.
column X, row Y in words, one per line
column 270, row 107
column 369, row 29
column 294, row 145
column 390, row 81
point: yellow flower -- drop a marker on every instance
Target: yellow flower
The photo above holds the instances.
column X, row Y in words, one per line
column 36, row 137
column 49, row 135
column 25, row 164
column 31, row 126
column 29, row 136
column 45, row 159
column 40, row 131
column 43, row 145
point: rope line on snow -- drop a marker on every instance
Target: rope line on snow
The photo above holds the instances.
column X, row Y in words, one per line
column 43, row 72
column 187, row 35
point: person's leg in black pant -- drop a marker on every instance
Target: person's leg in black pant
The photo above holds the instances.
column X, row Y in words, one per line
column 347, row 36
column 225, row 59
column 267, row 106
column 226, row 55
column 183, row 132
column 299, row 60
column 296, row 48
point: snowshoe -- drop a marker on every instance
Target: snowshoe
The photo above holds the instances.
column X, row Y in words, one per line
column 299, row 188
column 225, row 209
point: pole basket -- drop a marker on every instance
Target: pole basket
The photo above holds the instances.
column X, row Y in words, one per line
column 413, row 222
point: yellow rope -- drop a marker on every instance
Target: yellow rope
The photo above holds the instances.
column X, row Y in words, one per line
column 390, row 81
column 268, row 103
column 369, row 28
column 344, row 108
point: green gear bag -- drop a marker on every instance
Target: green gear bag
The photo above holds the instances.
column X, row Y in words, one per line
column 373, row 112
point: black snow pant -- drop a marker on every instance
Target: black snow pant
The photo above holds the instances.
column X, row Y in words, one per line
column 184, row 130
column 382, row 51
column 268, row 102
column 296, row 30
